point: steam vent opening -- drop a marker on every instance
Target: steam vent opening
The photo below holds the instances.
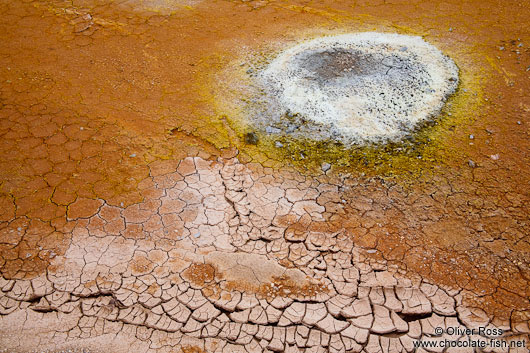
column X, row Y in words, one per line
column 356, row 88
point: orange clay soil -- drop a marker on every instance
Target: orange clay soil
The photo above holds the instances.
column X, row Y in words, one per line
column 92, row 94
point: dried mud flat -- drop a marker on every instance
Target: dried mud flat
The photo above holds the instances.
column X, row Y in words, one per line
column 135, row 216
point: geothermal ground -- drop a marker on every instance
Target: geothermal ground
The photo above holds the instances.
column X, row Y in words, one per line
column 142, row 209
column 360, row 88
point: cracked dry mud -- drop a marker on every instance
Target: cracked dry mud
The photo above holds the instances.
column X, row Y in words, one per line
column 226, row 257
column 129, row 222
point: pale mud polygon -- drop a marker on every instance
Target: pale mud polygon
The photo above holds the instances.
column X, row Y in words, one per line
column 355, row 88
column 164, row 7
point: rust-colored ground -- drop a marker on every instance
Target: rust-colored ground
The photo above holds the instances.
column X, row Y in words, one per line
column 94, row 94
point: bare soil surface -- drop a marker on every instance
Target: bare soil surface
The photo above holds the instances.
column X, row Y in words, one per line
column 135, row 216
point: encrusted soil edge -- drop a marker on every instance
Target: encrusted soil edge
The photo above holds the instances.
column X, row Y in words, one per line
column 225, row 257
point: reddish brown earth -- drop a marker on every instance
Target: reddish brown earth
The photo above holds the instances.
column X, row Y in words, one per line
column 105, row 218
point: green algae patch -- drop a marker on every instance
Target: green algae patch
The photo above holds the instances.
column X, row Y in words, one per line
column 431, row 144
column 419, row 153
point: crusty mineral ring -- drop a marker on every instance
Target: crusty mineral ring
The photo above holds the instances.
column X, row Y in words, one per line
column 358, row 88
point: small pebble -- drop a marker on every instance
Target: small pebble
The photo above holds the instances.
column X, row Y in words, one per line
column 471, row 137
column 371, row 251
column 278, row 144
column 501, row 48
column 518, row 122
column 326, row 167
column 133, row 155
column 290, row 129
column 494, row 157
column 251, row 138
column 450, row 29
column 471, row 163
column 272, row 130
